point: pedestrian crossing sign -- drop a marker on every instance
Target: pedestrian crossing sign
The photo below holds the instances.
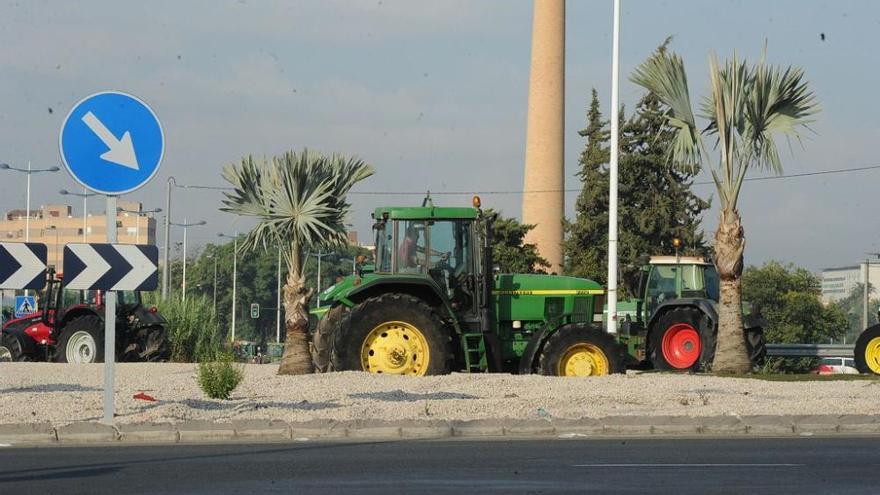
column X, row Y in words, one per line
column 25, row 305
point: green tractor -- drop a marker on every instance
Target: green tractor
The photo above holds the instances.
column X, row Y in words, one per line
column 432, row 304
column 673, row 321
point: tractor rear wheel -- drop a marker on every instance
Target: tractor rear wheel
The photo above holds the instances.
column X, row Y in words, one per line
column 682, row 339
column 581, row 351
column 395, row 334
column 81, row 341
column 322, row 338
column 10, row 349
column 867, row 351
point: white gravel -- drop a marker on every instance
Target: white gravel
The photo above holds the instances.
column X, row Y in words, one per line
column 63, row 393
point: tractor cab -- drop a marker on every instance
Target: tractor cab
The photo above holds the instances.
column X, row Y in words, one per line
column 667, row 278
column 434, row 243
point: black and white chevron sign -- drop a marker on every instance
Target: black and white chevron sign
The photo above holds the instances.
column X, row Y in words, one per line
column 22, row 265
column 111, row 267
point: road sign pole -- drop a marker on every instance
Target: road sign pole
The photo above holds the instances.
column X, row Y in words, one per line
column 109, row 323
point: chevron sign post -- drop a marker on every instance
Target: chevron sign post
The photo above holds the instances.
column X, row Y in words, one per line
column 22, row 265
column 111, row 267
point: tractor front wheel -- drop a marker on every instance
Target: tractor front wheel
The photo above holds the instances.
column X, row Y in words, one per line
column 322, row 338
column 867, row 351
column 81, row 341
column 10, row 349
column 581, row 351
column 681, row 339
column 393, row 334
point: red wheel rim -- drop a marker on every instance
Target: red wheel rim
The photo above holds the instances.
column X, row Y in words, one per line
column 681, row 345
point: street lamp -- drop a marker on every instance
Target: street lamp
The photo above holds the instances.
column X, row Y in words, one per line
column 29, row 171
column 214, row 257
column 52, row 227
column 85, row 197
column 137, row 228
column 234, row 278
column 185, row 225
column 319, row 255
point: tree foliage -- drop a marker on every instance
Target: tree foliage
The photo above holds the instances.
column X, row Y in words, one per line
column 789, row 299
column 853, row 306
column 656, row 203
column 510, row 252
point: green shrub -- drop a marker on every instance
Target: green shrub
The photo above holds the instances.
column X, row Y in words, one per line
column 219, row 377
column 192, row 328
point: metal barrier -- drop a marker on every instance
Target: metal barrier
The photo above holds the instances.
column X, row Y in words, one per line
column 810, row 350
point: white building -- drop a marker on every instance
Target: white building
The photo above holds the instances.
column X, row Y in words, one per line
column 837, row 283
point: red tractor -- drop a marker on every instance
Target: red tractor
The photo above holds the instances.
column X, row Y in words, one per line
column 70, row 329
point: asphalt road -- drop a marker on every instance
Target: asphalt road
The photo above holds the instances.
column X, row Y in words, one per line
column 777, row 466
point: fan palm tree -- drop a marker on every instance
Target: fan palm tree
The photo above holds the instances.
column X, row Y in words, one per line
column 299, row 200
column 746, row 109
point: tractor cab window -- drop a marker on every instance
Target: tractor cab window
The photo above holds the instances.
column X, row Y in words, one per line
column 661, row 286
column 384, row 247
column 450, row 260
column 128, row 298
column 411, row 243
column 667, row 282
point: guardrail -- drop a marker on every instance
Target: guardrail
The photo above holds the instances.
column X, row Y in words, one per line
column 810, row 350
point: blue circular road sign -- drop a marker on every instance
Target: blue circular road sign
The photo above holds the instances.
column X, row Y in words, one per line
column 112, row 143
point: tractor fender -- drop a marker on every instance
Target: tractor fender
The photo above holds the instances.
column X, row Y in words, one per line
column 530, row 354
column 77, row 312
column 29, row 346
column 706, row 306
column 421, row 288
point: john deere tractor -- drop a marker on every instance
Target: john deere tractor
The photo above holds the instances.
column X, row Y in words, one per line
column 672, row 322
column 431, row 304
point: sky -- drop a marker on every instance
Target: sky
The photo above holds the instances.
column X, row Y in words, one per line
column 433, row 94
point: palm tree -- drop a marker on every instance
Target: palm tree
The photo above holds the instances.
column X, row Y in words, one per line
column 748, row 106
column 299, row 199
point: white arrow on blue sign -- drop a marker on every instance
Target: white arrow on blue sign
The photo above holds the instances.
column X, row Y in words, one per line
column 112, row 143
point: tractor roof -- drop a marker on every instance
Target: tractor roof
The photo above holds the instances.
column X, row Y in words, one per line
column 425, row 212
column 680, row 260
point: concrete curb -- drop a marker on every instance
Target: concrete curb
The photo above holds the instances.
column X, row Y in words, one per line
column 280, row 431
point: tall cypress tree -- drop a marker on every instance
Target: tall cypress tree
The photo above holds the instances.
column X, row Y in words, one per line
column 656, row 203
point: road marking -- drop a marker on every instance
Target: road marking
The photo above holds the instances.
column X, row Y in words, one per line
column 699, row 465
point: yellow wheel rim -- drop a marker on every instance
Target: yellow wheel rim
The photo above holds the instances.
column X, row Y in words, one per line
column 395, row 348
column 872, row 355
column 583, row 360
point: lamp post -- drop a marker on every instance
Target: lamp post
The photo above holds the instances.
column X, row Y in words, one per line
column 137, row 228
column 85, row 197
column 29, row 171
column 53, row 227
column 234, row 278
column 278, row 301
column 185, row 226
column 214, row 257
column 319, row 255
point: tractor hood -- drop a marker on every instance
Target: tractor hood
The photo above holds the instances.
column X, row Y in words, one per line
column 341, row 290
column 519, row 284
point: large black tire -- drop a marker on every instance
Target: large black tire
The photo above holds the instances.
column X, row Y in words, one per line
column 581, row 350
column 756, row 346
column 322, row 338
column 10, row 349
column 683, row 357
column 868, row 360
column 74, row 346
column 397, row 312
